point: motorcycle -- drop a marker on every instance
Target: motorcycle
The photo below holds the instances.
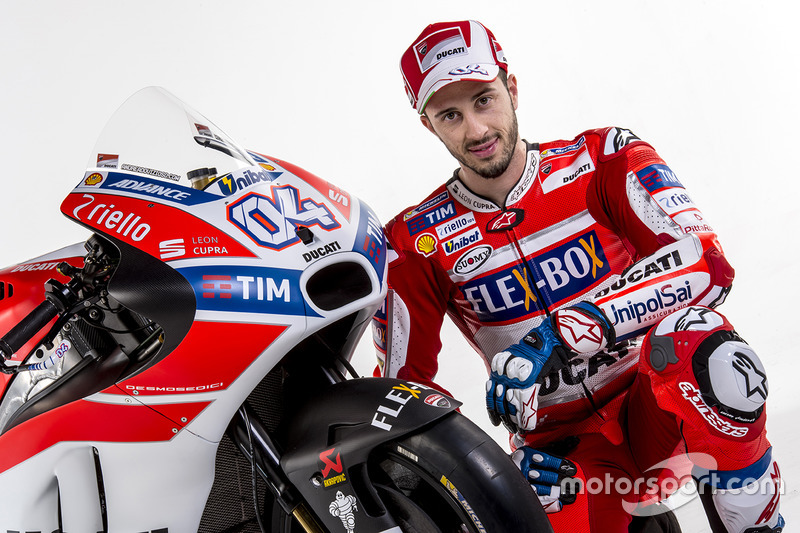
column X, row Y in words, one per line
column 187, row 368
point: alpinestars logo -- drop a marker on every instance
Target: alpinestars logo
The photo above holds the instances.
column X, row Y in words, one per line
column 694, row 317
column 581, row 333
column 755, row 380
column 505, row 220
column 693, row 396
column 623, row 138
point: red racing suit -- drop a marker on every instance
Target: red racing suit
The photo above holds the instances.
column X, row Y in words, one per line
column 599, row 218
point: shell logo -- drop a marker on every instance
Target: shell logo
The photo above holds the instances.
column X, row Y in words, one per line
column 426, row 244
column 93, row 179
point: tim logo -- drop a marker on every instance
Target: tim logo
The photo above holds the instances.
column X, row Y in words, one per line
column 217, row 287
column 428, row 219
column 272, row 222
column 657, row 177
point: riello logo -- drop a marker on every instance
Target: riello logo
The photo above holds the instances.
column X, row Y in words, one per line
column 108, row 217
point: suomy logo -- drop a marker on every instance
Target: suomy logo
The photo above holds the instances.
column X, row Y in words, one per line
column 472, row 259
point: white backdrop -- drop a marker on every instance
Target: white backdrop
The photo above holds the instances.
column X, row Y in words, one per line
column 712, row 84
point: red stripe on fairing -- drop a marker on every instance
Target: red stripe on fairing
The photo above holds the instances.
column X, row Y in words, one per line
column 164, row 223
column 213, row 353
column 83, row 420
column 210, row 358
column 340, row 199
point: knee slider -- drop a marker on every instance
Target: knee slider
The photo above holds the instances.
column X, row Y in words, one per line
column 698, row 346
column 731, row 377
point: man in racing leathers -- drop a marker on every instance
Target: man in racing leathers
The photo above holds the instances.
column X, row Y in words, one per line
column 554, row 259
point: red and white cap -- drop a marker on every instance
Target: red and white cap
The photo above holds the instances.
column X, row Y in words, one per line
column 446, row 52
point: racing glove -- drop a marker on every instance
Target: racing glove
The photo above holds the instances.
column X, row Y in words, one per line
column 517, row 373
column 550, row 476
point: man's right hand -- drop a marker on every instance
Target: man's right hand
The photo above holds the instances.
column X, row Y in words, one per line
column 549, row 475
column 513, row 386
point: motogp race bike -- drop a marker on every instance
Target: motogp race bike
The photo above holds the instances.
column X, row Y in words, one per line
column 185, row 369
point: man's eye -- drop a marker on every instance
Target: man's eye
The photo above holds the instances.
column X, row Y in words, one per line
column 449, row 116
column 484, row 100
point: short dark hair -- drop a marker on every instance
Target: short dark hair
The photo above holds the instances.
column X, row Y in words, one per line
column 503, row 75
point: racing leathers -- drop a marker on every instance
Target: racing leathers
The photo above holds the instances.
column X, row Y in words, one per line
column 601, row 219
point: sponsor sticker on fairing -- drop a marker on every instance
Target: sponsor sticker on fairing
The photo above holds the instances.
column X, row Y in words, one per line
column 388, row 412
column 332, row 469
column 244, row 289
column 438, row 400
column 95, row 178
column 107, row 160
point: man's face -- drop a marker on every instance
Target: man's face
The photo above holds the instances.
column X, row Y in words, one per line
column 477, row 122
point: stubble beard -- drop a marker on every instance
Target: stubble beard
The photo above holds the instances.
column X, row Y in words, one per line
column 492, row 169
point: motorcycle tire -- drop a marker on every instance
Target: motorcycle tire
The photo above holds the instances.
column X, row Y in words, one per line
column 449, row 478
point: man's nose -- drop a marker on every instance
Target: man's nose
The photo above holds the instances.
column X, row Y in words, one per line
column 476, row 128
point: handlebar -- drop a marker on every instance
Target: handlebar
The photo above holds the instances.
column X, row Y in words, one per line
column 59, row 298
column 27, row 328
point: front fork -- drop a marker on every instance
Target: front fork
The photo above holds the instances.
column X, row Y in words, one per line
column 254, row 442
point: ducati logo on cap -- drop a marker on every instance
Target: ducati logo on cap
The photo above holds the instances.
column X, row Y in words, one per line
column 440, row 45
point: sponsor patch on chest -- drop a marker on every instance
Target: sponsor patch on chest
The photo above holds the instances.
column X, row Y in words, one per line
column 560, row 171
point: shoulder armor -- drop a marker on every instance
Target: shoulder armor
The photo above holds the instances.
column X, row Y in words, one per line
column 618, row 139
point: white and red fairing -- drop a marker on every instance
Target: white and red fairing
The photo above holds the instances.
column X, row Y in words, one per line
column 154, row 434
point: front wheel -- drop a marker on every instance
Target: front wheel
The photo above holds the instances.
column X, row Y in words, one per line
column 449, row 478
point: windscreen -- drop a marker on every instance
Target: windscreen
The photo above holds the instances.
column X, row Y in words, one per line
column 157, row 135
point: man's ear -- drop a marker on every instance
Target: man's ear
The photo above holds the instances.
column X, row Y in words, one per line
column 427, row 123
column 513, row 91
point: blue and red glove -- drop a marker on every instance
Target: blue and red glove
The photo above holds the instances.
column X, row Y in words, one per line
column 550, row 476
column 518, row 372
